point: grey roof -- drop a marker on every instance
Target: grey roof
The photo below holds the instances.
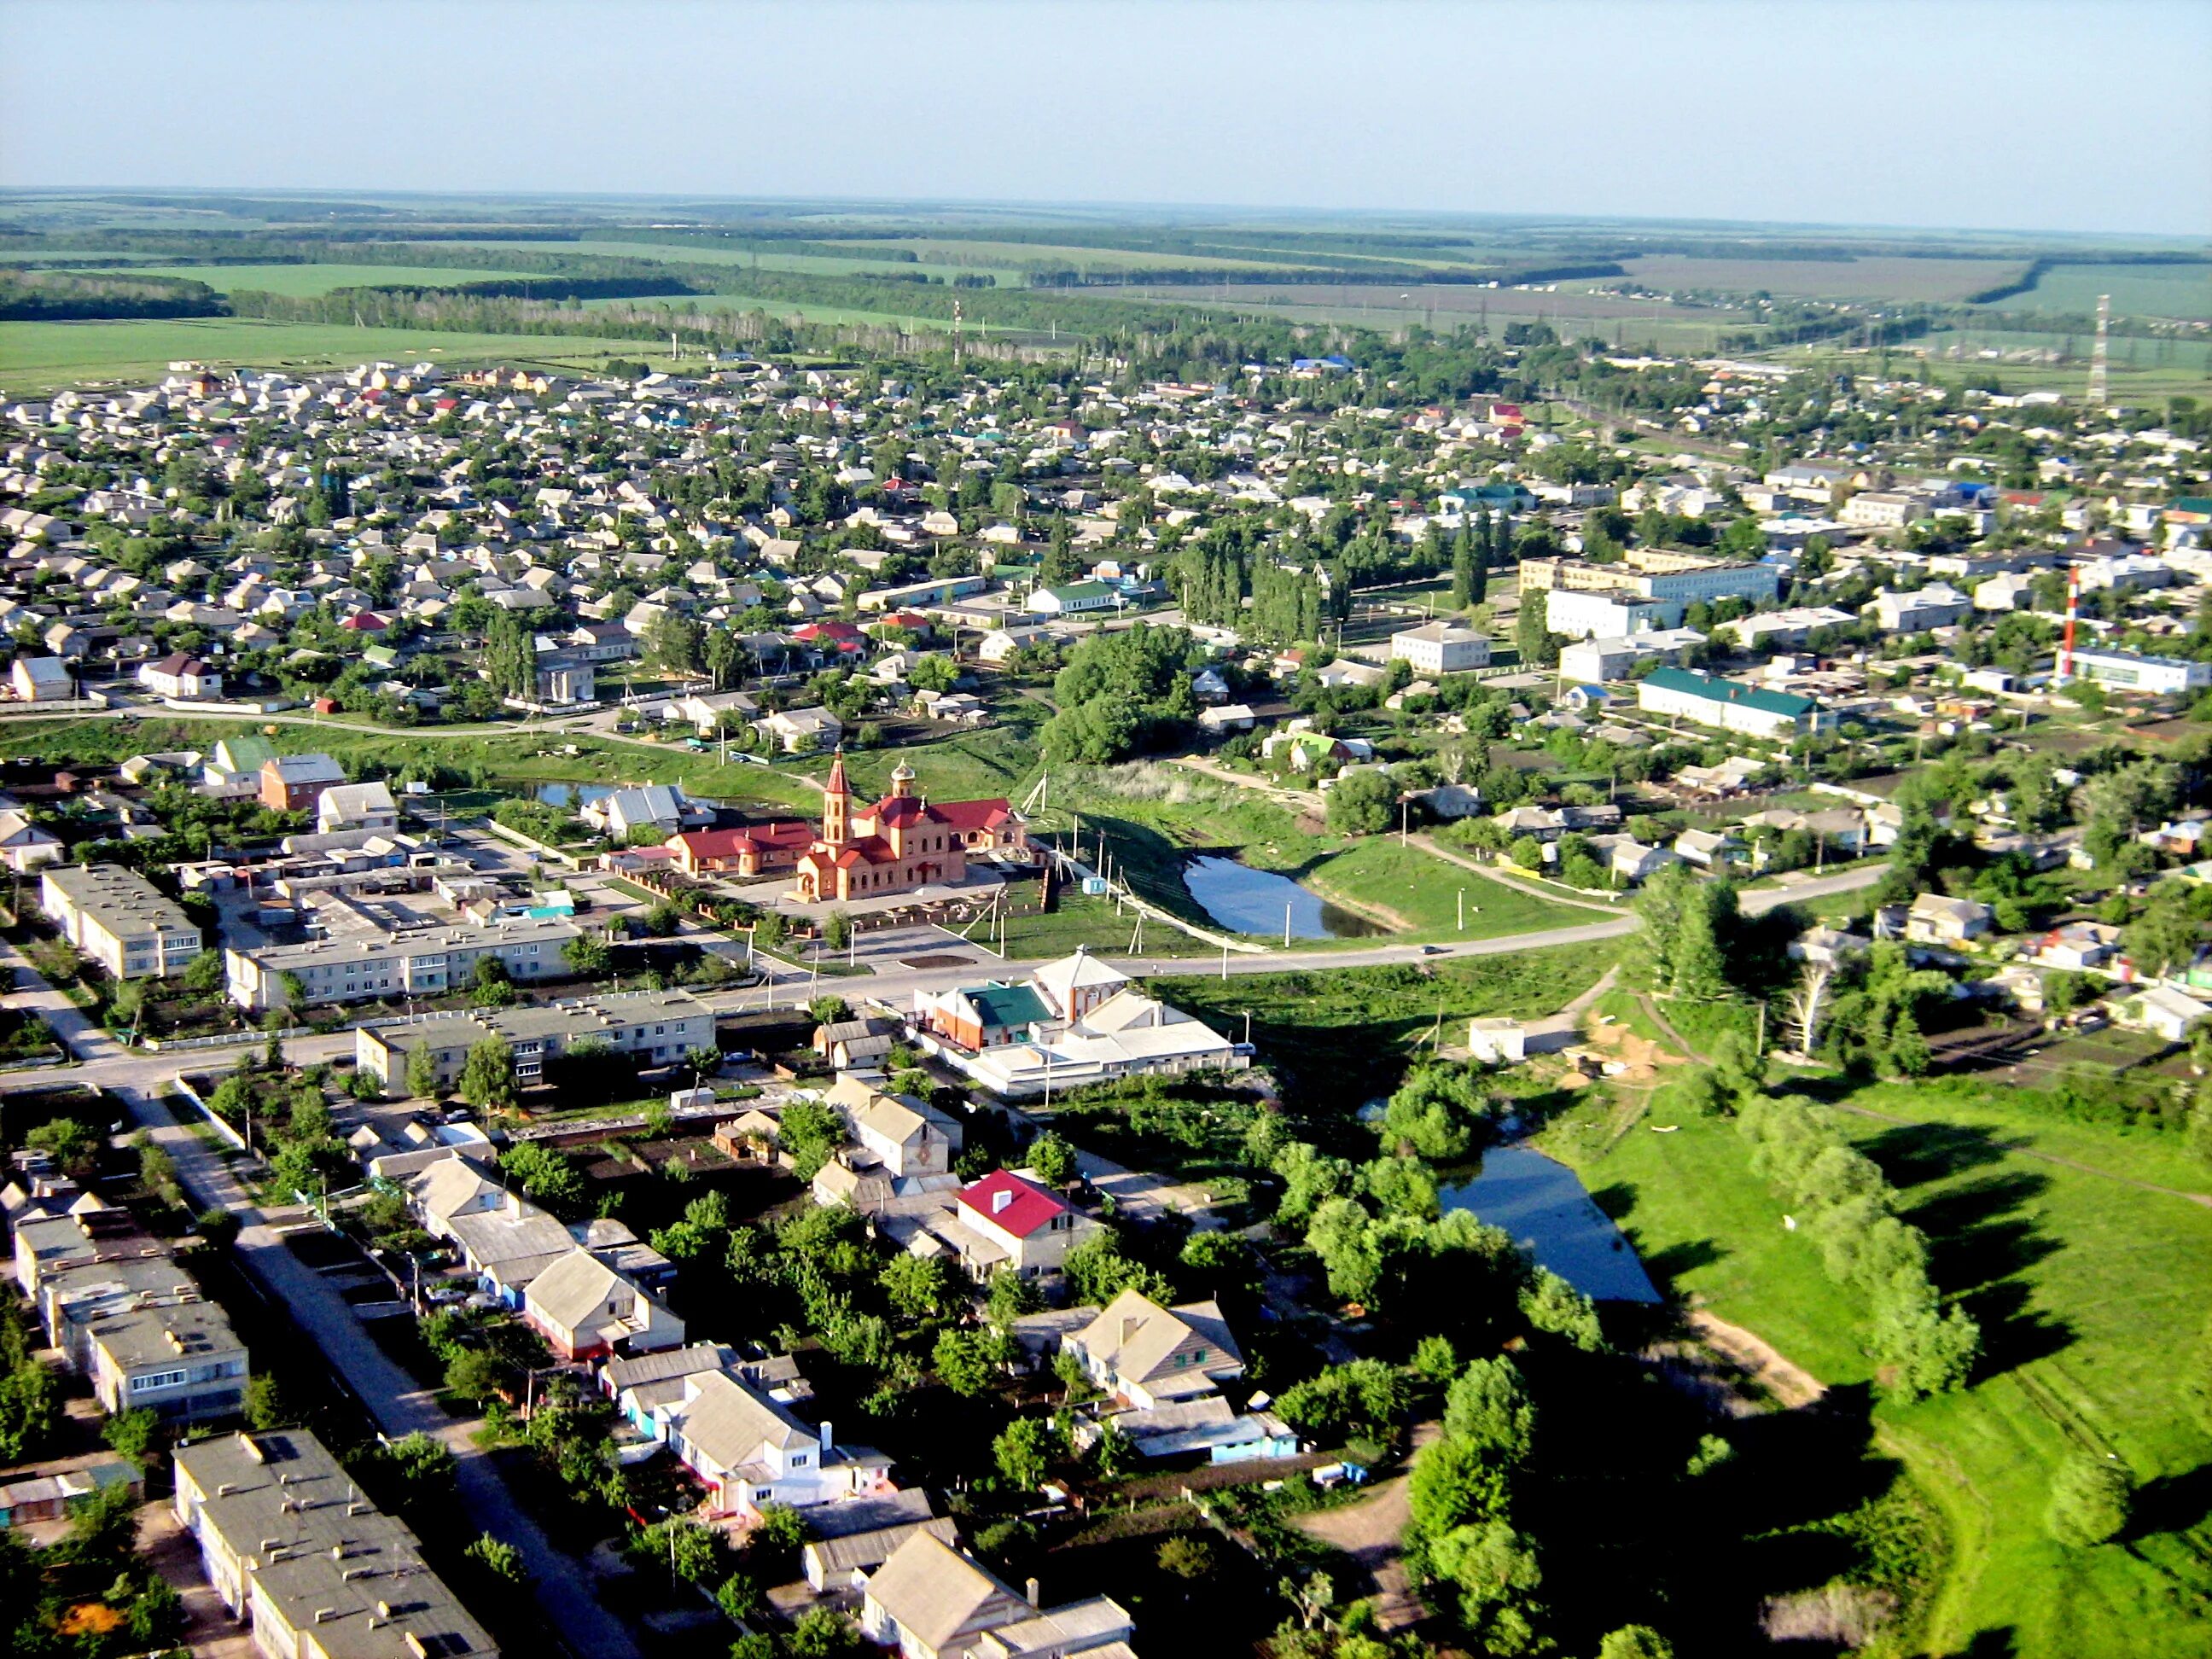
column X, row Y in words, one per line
column 329, row 1559
column 670, row 1362
column 862, row 1552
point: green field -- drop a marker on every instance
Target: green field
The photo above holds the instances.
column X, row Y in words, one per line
column 706, row 253
column 2182, row 292
column 299, row 280
column 1416, row 894
column 1571, row 308
column 1873, row 278
column 2090, row 1294
column 813, row 313
column 41, row 356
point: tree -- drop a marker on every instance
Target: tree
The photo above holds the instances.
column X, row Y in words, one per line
column 968, row 1362
column 475, row 1374
column 510, row 655
column 1549, row 1303
column 422, row 1071
column 69, row 1142
column 917, row 1286
column 1361, row 805
column 266, row 1405
column 425, row 1468
column 1023, row 1451
column 588, row 954
column 829, row 1010
column 810, row 1132
column 133, row 1434
column 487, row 1076
column 1052, row 1159
column 1185, row 1556
column 1488, row 1407
column 1635, row 1641
column 203, row 974
column 1538, row 645
column 544, row 1174
column 821, row 1633
column 2090, row 1499
column 836, row 930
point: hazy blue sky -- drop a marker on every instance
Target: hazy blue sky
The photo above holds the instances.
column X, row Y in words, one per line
column 2090, row 115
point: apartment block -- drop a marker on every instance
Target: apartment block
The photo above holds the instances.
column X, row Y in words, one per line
column 311, row 1566
column 656, row 1026
column 362, row 946
column 116, row 917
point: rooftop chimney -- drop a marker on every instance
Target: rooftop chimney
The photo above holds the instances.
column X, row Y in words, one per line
column 1030, row 1592
column 1001, row 1199
column 829, row 1441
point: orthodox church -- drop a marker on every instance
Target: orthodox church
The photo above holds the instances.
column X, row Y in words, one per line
column 900, row 842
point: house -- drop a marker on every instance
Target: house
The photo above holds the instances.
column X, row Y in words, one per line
column 748, row 853
column 1494, row 1041
column 294, row 783
column 1007, row 1222
column 1344, row 674
column 1710, row 848
column 1151, row 1355
column 659, row 807
column 843, row 1560
column 41, row 679
column 800, row 730
column 1080, row 599
column 1441, row 647
column 181, row 675
column 900, row 1135
column 2078, row 946
column 2164, row 1012
column 1937, row 605
column 1221, row 718
column 1934, row 920
column 747, row 1448
column 23, row 846
column 930, row 1600
column 357, row 806
column 584, row 1308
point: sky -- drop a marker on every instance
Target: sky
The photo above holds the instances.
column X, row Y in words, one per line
column 2084, row 115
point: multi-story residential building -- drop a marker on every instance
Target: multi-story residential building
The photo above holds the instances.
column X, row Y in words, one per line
column 1594, row 661
column 1442, row 647
column 1710, row 701
column 116, row 917
column 1937, row 605
column 1885, row 510
column 389, row 949
column 658, row 1027
column 314, row 1568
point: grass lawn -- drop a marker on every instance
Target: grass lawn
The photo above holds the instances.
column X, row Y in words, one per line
column 40, row 356
column 1417, row 894
column 2091, row 1294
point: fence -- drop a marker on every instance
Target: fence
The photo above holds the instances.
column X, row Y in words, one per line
column 509, row 833
column 223, row 1039
column 183, row 1087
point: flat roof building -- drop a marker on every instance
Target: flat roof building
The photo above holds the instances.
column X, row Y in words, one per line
column 118, row 919
column 388, row 947
column 658, row 1027
column 309, row 1564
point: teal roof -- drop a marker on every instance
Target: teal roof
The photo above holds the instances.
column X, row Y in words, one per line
column 1713, row 689
column 1081, row 590
column 1006, row 1004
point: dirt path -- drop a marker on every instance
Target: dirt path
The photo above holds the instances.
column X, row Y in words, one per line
column 1667, row 1028
column 1371, row 1533
column 2064, row 1162
column 1789, row 1383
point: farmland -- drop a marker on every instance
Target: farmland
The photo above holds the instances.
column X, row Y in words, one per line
column 707, row 253
column 2182, row 292
column 1871, row 277
column 308, row 279
column 40, row 356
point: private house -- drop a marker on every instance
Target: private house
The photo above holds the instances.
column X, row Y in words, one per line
column 901, row 842
column 1005, row 1221
column 902, row 1136
column 295, row 783
column 312, row 1568
column 585, row 1310
column 183, row 676
column 802, row 731
column 748, row 1449
column 357, row 806
column 656, row 806
column 41, row 679
column 1937, row 605
column 2078, row 946
column 841, row 1560
column 1151, row 1355
column 930, row 1600
column 2164, row 1012
column 1934, row 920
column 1077, row 599
column 24, row 846
column 1710, row 849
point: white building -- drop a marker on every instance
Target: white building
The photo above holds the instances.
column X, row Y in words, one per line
column 1442, row 647
column 1708, row 700
column 116, row 917
column 2127, row 671
column 1587, row 613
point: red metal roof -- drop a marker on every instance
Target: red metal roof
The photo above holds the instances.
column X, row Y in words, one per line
column 1026, row 1208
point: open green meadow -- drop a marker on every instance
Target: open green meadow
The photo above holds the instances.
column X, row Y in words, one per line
column 812, row 313
column 1874, row 276
column 2091, row 1293
column 707, row 253
column 43, row 356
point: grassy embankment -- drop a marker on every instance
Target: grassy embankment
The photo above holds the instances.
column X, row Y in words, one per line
column 2090, row 1293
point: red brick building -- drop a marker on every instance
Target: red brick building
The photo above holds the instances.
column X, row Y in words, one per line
column 755, row 849
column 900, row 842
column 294, row 783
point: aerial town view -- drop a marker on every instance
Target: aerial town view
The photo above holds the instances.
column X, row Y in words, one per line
column 1080, row 830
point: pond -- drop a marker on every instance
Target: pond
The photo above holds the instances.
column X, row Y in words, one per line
column 1248, row 901
column 1541, row 1202
column 572, row 794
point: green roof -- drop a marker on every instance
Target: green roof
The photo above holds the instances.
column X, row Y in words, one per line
column 1713, row 689
column 2190, row 504
column 1006, row 1004
column 1081, row 590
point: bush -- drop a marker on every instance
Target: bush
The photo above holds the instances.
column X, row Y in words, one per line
column 2089, row 1497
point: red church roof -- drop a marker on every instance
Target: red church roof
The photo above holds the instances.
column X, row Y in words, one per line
column 728, row 843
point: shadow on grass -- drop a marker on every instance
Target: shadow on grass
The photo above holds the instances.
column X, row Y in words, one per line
column 2173, row 1503
column 1668, row 1265
column 1912, row 1155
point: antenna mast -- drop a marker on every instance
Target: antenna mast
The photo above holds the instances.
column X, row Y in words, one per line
column 2101, row 356
column 2072, row 609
